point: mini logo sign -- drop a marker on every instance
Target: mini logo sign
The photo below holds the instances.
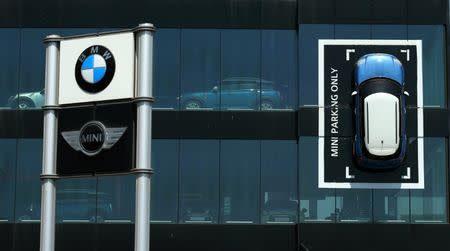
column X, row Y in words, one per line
column 93, row 137
column 95, row 69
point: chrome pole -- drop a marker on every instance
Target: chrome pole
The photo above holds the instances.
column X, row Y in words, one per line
column 144, row 100
column 48, row 175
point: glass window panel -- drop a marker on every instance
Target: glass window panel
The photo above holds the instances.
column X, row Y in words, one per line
column 316, row 204
column 279, row 69
column 9, row 77
column 239, row 181
column 167, row 68
column 240, row 64
column 354, row 205
column 28, row 184
column 199, row 181
column 391, row 206
column 115, row 199
column 7, row 178
column 165, row 181
column 75, row 200
column 200, row 68
column 32, row 67
column 434, row 84
column 279, row 199
column 430, row 205
column 308, row 51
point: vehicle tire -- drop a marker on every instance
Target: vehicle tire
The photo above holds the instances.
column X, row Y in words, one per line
column 25, row 104
column 266, row 105
column 192, row 104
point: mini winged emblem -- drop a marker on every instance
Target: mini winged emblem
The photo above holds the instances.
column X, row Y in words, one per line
column 93, row 137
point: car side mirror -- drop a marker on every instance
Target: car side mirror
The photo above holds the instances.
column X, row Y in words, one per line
column 215, row 89
column 406, row 93
column 42, row 92
column 354, row 93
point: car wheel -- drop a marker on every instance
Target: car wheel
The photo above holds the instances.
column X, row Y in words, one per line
column 192, row 104
column 266, row 105
column 25, row 103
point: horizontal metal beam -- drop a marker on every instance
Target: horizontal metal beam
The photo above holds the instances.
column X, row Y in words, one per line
column 172, row 124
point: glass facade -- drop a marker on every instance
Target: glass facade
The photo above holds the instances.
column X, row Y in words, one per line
column 225, row 69
column 217, row 181
column 9, row 79
column 27, row 186
column 240, row 181
column 199, row 186
column 8, row 149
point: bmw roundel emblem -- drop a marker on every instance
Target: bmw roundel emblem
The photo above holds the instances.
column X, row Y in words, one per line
column 95, row 69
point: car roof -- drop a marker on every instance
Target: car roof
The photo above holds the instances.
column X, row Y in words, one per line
column 247, row 79
column 379, row 65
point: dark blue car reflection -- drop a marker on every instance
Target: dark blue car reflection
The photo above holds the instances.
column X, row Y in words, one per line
column 237, row 93
column 380, row 112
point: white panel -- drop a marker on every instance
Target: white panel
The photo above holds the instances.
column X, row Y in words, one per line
column 321, row 164
column 321, row 72
column 420, row 151
column 121, row 46
column 419, row 74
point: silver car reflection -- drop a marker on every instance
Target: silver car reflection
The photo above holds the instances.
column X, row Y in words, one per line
column 27, row 100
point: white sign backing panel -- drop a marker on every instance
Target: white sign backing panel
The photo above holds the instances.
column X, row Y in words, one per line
column 337, row 59
column 119, row 47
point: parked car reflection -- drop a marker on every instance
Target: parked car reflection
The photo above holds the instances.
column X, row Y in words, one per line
column 197, row 209
column 75, row 205
column 279, row 208
column 238, row 93
column 27, row 100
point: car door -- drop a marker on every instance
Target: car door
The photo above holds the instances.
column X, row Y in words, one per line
column 239, row 94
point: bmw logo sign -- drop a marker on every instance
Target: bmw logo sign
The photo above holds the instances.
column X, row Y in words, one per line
column 95, row 69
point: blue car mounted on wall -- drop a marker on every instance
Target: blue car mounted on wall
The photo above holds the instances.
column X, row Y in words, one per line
column 380, row 112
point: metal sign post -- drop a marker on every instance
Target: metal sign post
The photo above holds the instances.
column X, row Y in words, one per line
column 124, row 66
column 144, row 100
column 48, row 176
